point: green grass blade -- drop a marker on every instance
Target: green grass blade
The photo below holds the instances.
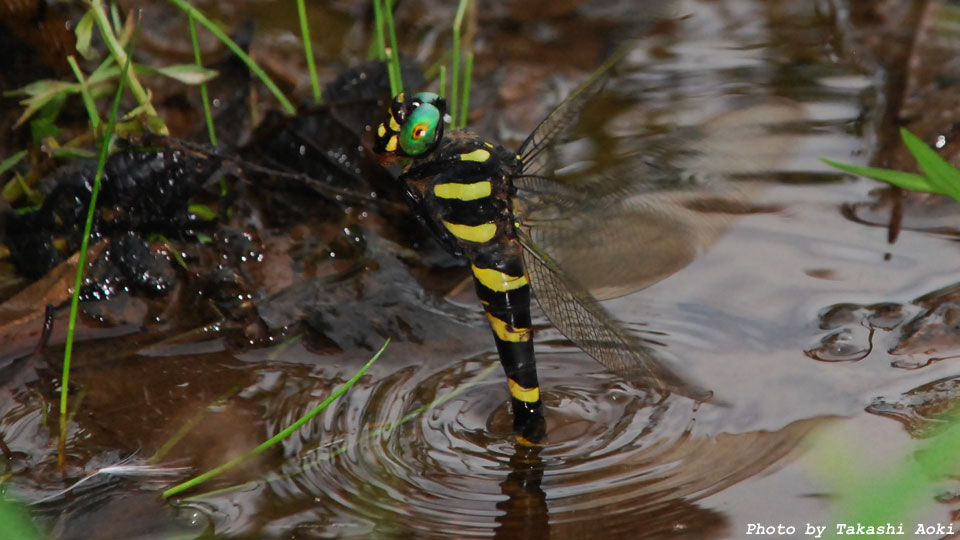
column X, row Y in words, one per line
column 204, row 97
column 455, row 70
column 394, row 49
column 190, row 424
column 456, row 60
column 943, row 176
column 244, row 57
column 443, row 82
column 279, row 436
column 380, row 45
column 308, row 51
column 116, row 50
column 182, row 73
column 459, row 389
column 85, row 94
column 81, row 263
column 9, row 163
column 40, row 94
column 115, row 17
column 467, row 79
column 84, row 32
column 905, row 180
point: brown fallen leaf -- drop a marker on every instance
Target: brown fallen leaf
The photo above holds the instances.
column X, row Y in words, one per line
column 22, row 316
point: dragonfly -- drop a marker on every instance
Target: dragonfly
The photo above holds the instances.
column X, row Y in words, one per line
column 523, row 224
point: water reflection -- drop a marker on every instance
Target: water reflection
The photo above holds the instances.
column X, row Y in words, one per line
column 615, row 457
column 524, row 512
column 616, row 460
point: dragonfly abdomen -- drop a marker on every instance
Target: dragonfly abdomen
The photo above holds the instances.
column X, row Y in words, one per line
column 504, row 291
column 463, row 191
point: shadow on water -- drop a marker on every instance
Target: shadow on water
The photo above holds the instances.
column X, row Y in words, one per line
column 796, row 312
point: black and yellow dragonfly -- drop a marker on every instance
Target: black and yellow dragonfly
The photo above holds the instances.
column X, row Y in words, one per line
column 520, row 225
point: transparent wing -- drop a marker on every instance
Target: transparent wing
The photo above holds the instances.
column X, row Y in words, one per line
column 626, row 212
column 579, row 317
column 535, row 152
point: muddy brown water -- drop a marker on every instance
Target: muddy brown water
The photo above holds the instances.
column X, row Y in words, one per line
column 800, row 320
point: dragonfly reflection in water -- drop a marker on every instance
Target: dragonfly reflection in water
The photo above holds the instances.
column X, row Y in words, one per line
column 572, row 232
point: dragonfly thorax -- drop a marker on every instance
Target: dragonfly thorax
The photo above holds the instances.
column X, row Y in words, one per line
column 462, row 191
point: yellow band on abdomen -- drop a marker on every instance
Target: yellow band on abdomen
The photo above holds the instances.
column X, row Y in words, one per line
column 463, row 192
column 472, row 233
column 498, row 281
column 506, row 332
column 527, row 395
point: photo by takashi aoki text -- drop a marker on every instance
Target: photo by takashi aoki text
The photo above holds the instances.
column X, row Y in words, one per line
column 820, row 530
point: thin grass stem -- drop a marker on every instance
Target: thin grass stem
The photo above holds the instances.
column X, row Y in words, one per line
column 154, row 122
column 381, row 46
column 455, row 71
column 269, row 443
column 81, row 263
column 186, row 428
column 394, row 50
column 11, row 161
column 204, row 97
column 244, row 57
column 459, row 389
column 85, row 94
column 308, row 51
column 443, row 82
column 467, row 79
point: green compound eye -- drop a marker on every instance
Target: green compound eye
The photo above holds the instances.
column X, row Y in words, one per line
column 420, row 130
column 423, row 125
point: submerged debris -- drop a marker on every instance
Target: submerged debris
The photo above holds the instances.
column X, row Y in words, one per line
column 924, row 411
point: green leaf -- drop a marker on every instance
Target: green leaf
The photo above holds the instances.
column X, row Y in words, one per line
column 42, row 93
column 203, row 212
column 16, row 522
column 72, row 152
column 8, row 163
column 913, row 182
column 106, row 70
column 84, row 32
column 45, row 124
column 17, row 187
column 187, row 73
column 943, row 176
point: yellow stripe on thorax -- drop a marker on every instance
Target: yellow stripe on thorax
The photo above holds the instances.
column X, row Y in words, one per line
column 479, row 154
column 527, row 395
column 472, row 233
column 391, row 144
column 394, row 126
column 498, row 281
column 508, row 333
column 463, row 192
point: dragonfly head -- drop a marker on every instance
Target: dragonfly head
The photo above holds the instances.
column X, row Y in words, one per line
column 413, row 128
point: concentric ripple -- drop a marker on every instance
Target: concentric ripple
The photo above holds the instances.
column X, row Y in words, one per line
column 431, row 454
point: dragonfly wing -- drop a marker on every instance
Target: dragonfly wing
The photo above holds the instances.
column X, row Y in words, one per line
column 621, row 254
column 579, row 317
column 626, row 212
column 535, row 152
